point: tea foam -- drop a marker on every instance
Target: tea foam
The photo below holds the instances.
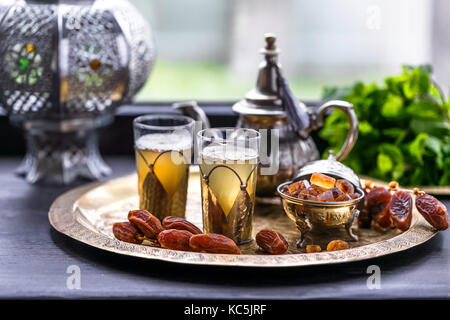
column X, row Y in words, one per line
column 228, row 153
column 177, row 141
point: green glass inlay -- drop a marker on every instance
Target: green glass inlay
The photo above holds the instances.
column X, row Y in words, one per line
column 23, row 63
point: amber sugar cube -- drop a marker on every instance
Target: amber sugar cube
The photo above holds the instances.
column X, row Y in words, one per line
column 314, row 190
column 294, row 189
column 342, row 197
column 295, row 186
column 310, row 248
column 322, row 180
column 345, row 186
column 326, row 196
column 305, row 196
column 354, row 195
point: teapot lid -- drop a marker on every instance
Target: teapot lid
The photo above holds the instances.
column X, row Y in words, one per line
column 264, row 99
column 331, row 167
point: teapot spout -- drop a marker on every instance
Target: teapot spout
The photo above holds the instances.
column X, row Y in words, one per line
column 192, row 109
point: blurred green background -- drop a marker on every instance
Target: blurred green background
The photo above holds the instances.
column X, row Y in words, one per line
column 209, row 50
column 213, row 81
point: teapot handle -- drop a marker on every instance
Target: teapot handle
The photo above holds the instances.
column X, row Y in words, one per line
column 192, row 109
column 347, row 107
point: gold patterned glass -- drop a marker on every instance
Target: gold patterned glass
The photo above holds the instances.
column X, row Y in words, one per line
column 228, row 159
column 163, row 146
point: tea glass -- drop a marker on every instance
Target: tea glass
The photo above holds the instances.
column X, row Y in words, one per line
column 163, row 147
column 228, row 160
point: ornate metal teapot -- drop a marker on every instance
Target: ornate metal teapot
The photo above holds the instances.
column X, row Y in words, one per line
column 262, row 108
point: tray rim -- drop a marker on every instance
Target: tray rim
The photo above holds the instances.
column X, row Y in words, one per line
column 62, row 218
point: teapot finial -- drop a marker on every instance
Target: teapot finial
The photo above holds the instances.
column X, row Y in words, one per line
column 264, row 99
column 270, row 41
column 331, row 155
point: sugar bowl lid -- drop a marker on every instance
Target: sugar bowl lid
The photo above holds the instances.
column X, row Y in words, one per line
column 331, row 167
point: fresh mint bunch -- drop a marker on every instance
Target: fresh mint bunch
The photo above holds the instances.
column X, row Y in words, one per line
column 404, row 128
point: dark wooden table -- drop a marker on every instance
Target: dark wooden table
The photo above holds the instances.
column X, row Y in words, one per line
column 34, row 259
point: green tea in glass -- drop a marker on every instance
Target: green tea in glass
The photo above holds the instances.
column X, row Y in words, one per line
column 228, row 159
column 163, row 147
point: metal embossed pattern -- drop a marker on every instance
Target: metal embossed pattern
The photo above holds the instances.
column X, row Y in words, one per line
column 103, row 52
column 26, row 89
column 66, row 67
column 87, row 214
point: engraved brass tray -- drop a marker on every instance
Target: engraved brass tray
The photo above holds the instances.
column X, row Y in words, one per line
column 88, row 212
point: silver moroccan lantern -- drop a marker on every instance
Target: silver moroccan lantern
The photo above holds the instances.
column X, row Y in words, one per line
column 65, row 67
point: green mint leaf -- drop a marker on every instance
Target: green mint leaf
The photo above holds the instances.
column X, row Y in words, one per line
column 417, row 147
column 437, row 128
column 391, row 108
column 435, row 145
column 384, row 163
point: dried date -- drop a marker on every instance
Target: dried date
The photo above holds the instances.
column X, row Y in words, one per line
column 180, row 224
column 175, row 239
column 400, row 209
column 378, row 206
column 364, row 218
column 271, row 241
column 147, row 223
column 213, row 243
column 125, row 231
column 433, row 211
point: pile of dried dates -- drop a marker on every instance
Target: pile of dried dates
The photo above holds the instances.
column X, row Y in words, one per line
column 179, row 234
column 321, row 187
column 390, row 207
column 173, row 233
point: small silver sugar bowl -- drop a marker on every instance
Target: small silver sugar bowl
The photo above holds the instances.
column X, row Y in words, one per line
column 309, row 214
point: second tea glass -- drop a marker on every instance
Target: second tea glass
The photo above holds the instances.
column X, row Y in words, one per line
column 228, row 159
column 163, row 146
